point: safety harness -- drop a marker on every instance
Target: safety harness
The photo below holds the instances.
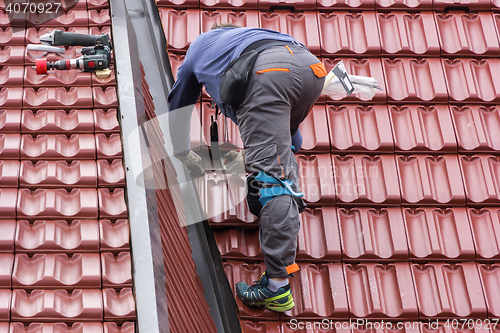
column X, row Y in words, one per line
column 281, row 187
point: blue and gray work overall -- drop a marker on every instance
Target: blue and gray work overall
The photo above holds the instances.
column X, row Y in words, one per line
column 286, row 81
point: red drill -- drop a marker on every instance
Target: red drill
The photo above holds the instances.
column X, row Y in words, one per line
column 86, row 63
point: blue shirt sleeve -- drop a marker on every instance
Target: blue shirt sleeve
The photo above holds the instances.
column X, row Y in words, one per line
column 182, row 99
column 296, row 141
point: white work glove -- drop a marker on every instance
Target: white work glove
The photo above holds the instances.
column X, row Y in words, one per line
column 235, row 162
column 193, row 162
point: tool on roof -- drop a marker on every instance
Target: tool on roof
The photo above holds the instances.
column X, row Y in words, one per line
column 341, row 74
column 96, row 54
column 338, row 82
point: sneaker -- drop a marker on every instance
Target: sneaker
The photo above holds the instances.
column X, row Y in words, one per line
column 258, row 295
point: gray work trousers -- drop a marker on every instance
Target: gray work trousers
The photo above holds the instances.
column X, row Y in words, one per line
column 280, row 93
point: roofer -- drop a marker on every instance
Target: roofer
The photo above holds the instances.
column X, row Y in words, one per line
column 284, row 82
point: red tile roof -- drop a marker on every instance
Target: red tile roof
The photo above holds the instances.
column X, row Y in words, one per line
column 59, row 157
column 402, row 243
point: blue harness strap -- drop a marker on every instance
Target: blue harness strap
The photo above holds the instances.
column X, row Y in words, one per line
column 284, row 187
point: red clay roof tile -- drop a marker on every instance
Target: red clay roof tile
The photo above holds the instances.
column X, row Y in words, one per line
column 57, row 305
column 59, row 146
column 55, row 271
column 56, row 98
column 57, row 203
column 422, row 129
column 9, row 146
column 99, row 17
column 467, row 34
column 56, row 328
column 381, row 291
column 474, row 5
column 358, row 128
column 111, row 174
column 112, row 203
column 439, row 234
column 7, row 235
column 472, row 80
column 112, row 327
column 11, row 98
column 57, row 121
column 108, row 147
column 119, row 306
column 318, row 238
column 10, row 121
column 224, row 199
column 97, row 4
column 415, row 80
column 12, row 55
column 369, row 234
column 181, row 27
column 348, row 34
column 248, row 326
column 490, row 277
column 225, row 4
column 57, row 236
column 407, row 5
column 316, row 179
column 177, row 3
column 305, row 5
column 58, row 174
column 9, row 36
column 8, row 201
column 406, row 34
column 114, row 237
column 485, row 226
column 345, row 5
column 477, row 128
column 314, row 130
column 481, row 179
column 301, row 26
column 5, row 302
column 247, row 18
column 448, row 290
column 106, row 121
column 239, row 243
column 430, row 180
column 366, row 180
column 11, row 76
column 9, row 173
column 6, row 264
column 116, row 270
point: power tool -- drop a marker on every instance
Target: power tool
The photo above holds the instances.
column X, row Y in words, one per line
column 96, row 54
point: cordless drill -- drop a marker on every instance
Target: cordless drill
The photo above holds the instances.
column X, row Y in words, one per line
column 96, row 55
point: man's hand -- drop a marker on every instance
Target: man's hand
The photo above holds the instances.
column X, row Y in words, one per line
column 193, row 162
column 234, row 161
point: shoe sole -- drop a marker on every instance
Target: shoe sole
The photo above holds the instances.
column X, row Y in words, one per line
column 281, row 307
column 275, row 304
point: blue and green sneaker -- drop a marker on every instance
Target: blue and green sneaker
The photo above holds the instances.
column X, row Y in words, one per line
column 258, row 295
